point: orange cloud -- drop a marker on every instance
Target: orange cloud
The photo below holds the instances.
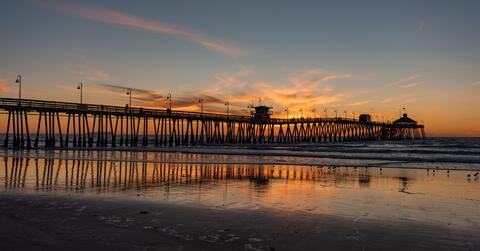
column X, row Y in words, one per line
column 100, row 14
column 362, row 102
column 306, row 89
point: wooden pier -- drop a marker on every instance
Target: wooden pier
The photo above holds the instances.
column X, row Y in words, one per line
column 49, row 124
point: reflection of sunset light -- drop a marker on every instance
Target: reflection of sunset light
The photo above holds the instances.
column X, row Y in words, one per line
column 315, row 190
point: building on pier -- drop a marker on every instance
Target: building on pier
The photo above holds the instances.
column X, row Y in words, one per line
column 405, row 121
column 262, row 113
column 365, row 118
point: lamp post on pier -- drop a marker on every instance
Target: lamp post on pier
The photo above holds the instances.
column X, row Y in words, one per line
column 227, row 104
column 80, row 87
column 19, row 82
column 169, row 97
column 201, row 105
column 129, row 93
column 286, row 112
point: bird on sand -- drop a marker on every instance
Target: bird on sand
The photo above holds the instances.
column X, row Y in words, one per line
column 476, row 174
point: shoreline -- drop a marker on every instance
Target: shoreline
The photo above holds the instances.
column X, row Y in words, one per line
column 331, row 157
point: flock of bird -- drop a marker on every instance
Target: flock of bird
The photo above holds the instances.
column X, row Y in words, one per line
column 448, row 171
column 428, row 170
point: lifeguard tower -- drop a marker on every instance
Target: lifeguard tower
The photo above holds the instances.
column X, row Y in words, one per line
column 262, row 113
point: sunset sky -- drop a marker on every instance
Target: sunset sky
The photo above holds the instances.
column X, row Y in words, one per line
column 356, row 56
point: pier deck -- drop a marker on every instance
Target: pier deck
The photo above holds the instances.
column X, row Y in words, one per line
column 63, row 124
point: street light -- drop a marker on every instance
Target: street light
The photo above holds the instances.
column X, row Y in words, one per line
column 345, row 113
column 19, row 82
column 201, row 105
column 301, row 112
column 169, row 97
column 326, row 112
column 286, row 111
column 228, row 107
column 129, row 93
column 80, row 87
column 336, row 113
column 314, row 110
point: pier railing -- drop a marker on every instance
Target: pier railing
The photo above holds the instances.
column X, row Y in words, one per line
column 88, row 125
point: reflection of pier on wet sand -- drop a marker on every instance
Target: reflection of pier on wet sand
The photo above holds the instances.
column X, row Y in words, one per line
column 75, row 174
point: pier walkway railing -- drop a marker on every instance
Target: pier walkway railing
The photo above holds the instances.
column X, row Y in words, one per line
column 64, row 124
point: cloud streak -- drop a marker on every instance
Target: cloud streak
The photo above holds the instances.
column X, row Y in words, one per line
column 92, row 74
column 476, row 83
column 407, row 82
column 306, row 89
column 104, row 15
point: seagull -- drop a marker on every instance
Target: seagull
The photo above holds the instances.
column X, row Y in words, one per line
column 428, row 170
column 433, row 170
column 448, row 171
column 381, row 169
column 469, row 175
column 476, row 174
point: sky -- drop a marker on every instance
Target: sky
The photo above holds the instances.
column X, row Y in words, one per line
column 312, row 57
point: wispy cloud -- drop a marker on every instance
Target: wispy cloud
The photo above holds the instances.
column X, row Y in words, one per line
column 101, row 14
column 92, row 74
column 387, row 100
column 362, row 102
column 408, row 85
column 143, row 97
column 476, row 83
column 407, row 82
column 305, row 89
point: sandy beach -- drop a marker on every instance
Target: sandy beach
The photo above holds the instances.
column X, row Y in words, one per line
column 45, row 222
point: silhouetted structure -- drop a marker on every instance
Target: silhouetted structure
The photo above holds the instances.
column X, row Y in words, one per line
column 365, row 118
column 405, row 121
column 262, row 113
column 86, row 125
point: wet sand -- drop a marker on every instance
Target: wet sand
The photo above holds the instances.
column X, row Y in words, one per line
column 43, row 221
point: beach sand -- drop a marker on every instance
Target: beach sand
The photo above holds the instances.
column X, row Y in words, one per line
column 40, row 221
